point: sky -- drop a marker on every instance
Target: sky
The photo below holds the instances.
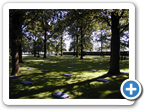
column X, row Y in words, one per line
column 67, row 42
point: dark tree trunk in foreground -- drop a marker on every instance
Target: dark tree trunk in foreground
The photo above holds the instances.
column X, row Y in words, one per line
column 45, row 45
column 20, row 50
column 15, row 23
column 20, row 53
column 115, row 46
column 15, row 60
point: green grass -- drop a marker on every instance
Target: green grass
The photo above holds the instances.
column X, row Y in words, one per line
column 81, row 86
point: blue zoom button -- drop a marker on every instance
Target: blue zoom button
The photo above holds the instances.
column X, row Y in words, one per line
column 130, row 89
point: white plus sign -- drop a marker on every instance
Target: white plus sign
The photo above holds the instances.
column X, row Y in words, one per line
column 131, row 89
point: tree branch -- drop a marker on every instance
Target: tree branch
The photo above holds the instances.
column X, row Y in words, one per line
column 30, row 21
column 106, row 19
column 122, row 13
column 124, row 28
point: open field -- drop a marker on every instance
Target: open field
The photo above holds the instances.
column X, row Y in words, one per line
column 82, row 85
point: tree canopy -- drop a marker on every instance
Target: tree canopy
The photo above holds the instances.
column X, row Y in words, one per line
column 44, row 30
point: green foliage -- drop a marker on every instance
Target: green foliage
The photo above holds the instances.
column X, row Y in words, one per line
column 74, row 21
column 59, row 44
column 88, row 46
column 27, row 46
column 50, row 45
column 81, row 23
column 122, row 14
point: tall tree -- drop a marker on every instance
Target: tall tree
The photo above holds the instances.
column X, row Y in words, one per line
column 49, row 20
column 59, row 43
column 42, row 26
column 50, row 46
column 20, row 49
column 45, row 26
column 33, row 34
column 29, row 18
column 74, row 34
column 84, row 22
column 118, row 20
column 103, row 38
column 15, row 23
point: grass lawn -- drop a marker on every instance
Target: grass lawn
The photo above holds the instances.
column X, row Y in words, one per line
column 82, row 85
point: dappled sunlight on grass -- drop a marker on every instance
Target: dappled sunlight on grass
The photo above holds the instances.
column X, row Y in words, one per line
column 82, row 85
column 105, row 93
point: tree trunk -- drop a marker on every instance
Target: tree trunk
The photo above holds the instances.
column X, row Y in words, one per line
column 34, row 48
column 45, row 45
column 115, row 46
column 81, row 44
column 61, row 46
column 74, row 46
column 20, row 48
column 101, row 44
column 38, row 50
column 20, row 53
column 15, row 23
column 77, row 47
column 15, row 59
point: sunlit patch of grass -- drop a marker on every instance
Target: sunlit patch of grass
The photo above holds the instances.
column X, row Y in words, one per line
column 105, row 93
